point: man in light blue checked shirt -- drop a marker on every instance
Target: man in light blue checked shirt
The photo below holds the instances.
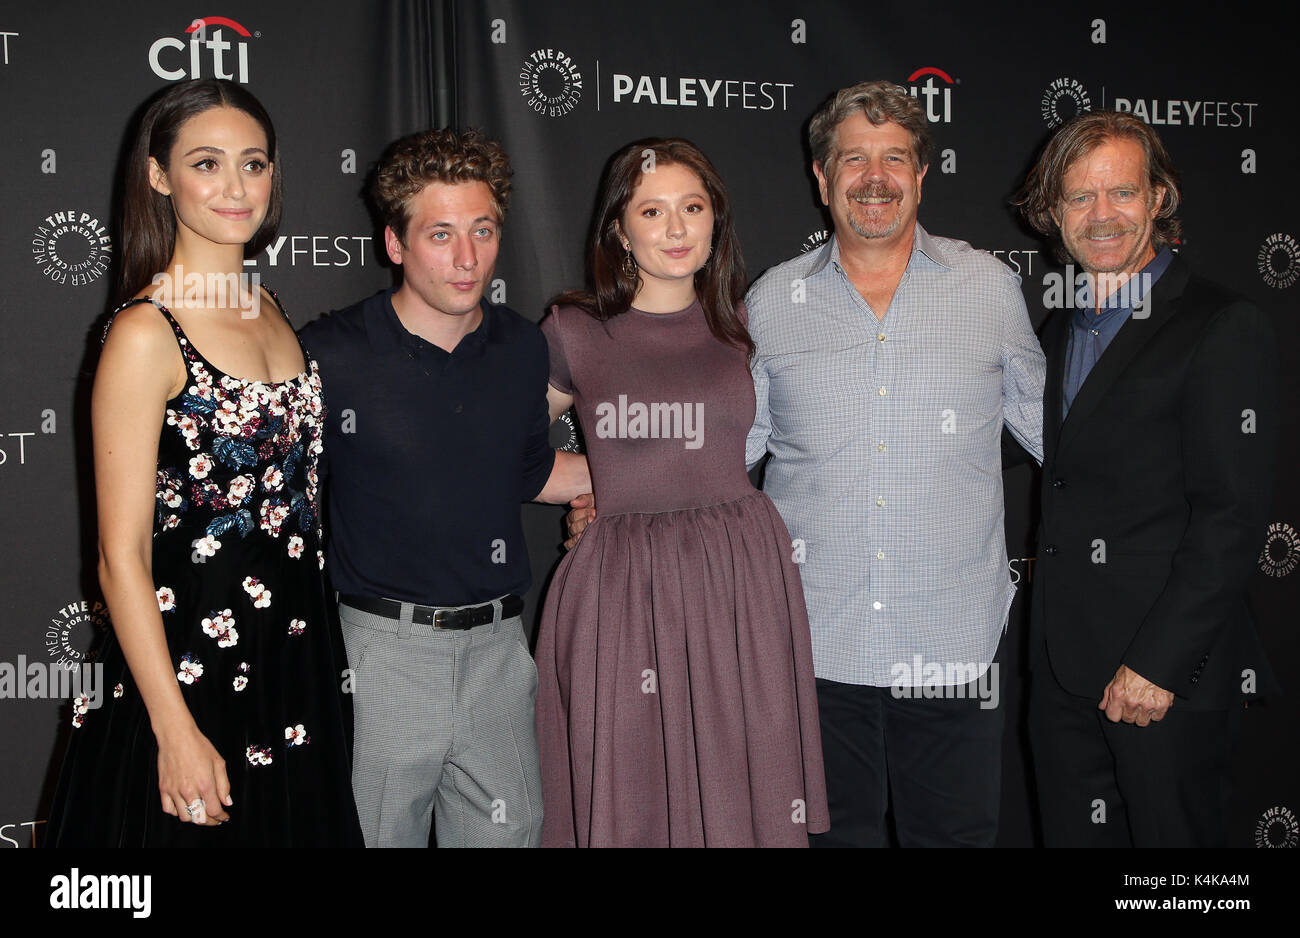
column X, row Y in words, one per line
column 887, row 364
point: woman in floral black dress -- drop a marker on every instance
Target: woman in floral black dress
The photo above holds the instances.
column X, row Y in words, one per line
column 228, row 722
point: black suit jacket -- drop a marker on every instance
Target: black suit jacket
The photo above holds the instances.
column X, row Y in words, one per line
column 1155, row 496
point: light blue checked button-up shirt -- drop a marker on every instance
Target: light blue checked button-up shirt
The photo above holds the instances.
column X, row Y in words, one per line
column 886, row 460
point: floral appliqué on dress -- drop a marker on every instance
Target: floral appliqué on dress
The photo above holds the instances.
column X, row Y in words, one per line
column 251, row 425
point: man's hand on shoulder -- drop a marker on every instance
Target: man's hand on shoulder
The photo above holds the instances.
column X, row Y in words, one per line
column 1132, row 698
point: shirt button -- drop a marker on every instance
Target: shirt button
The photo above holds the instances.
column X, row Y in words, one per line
column 877, row 605
column 880, row 337
column 880, row 555
column 458, row 408
column 880, row 502
column 1051, row 548
column 882, row 391
column 1058, row 483
column 880, row 446
column 1094, row 332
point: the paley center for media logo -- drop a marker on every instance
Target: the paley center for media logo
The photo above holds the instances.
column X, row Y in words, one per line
column 551, row 82
column 1062, row 99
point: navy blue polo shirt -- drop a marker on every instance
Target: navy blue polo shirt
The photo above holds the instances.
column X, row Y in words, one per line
column 428, row 454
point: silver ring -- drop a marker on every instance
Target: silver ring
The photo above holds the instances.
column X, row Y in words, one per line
column 195, row 806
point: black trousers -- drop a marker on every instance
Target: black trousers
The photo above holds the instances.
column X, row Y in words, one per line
column 1104, row 784
column 939, row 761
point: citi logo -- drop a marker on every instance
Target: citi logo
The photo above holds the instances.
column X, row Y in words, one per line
column 206, row 32
column 935, row 111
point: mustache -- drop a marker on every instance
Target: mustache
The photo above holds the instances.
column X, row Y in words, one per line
column 1106, row 230
column 876, row 190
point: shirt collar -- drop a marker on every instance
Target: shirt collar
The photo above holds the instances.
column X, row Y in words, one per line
column 387, row 332
column 926, row 251
column 1133, row 290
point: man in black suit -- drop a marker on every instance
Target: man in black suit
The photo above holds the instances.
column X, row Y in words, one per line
column 1159, row 433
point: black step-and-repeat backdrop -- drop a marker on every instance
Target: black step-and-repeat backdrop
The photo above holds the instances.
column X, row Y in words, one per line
column 563, row 84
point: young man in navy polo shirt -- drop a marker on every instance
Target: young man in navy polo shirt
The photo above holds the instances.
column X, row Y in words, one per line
column 437, row 430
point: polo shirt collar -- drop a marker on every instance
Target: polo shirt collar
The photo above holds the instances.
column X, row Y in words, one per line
column 387, row 332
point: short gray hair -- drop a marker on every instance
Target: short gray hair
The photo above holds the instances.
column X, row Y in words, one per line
column 880, row 102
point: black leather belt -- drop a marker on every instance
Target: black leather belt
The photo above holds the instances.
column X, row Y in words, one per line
column 466, row 617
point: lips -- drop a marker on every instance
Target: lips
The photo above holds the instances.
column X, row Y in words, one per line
column 678, row 253
column 234, row 214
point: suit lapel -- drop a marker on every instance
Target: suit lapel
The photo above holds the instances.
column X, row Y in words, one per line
column 1131, row 339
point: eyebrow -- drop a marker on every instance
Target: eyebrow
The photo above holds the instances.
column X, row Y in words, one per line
column 894, row 149
column 221, row 152
column 448, row 224
column 693, row 195
column 1085, row 189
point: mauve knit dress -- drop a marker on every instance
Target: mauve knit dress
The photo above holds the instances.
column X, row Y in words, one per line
column 676, row 703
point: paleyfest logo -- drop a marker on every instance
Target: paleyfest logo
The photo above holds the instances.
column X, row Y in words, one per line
column 168, row 60
column 72, row 247
column 550, row 82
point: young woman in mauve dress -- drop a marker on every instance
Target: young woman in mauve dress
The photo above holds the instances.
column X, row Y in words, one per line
column 225, row 724
column 676, row 703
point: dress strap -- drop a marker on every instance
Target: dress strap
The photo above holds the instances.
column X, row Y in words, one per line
column 181, row 338
column 306, row 354
column 278, row 304
column 188, row 351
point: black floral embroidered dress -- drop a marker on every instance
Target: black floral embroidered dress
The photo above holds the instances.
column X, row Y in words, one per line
column 237, row 567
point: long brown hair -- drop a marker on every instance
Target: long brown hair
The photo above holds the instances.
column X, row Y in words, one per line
column 719, row 284
column 148, row 235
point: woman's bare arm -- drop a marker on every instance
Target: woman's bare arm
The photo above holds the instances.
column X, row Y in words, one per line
column 139, row 371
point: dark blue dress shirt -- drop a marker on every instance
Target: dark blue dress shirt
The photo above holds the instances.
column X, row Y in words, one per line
column 1092, row 331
